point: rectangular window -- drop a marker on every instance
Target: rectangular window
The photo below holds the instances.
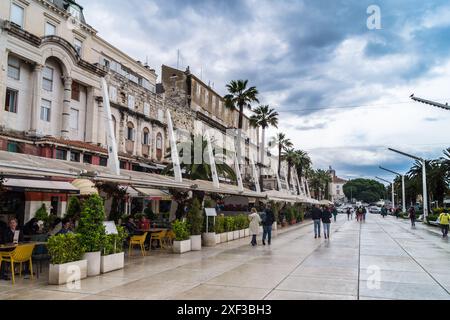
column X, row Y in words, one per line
column 114, row 66
column 74, row 116
column 47, row 79
column 13, row 68
column 50, row 29
column 75, row 91
column 87, row 158
column 103, row 161
column 122, row 164
column 106, row 63
column 11, row 100
column 45, row 110
column 78, row 45
column 61, row 154
column 146, row 109
column 74, row 156
column 113, row 94
column 17, row 13
column 130, row 134
column 13, row 147
column 146, row 138
column 131, row 102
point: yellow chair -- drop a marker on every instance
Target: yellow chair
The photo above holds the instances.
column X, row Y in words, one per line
column 138, row 240
column 170, row 236
column 159, row 237
column 21, row 254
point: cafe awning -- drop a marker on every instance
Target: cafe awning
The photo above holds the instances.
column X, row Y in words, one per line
column 154, row 194
column 86, row 187
column 47, row 186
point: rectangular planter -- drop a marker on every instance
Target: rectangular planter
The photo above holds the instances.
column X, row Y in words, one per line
column 209, row 239
column 196, row 243
column 218, row 238
column 236, row 235
column 230, row 236
column 247, row 232
column 242, row 233
column 112, row 262
column 93, row 263
column 224, row 237
column 182, row 246
column 68, row 272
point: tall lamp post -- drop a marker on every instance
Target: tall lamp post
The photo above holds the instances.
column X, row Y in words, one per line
column 403, row 186
column 392, row 188
column 424, row 180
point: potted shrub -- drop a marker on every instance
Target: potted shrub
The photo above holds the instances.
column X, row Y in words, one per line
column 240, row 225
column 92, row 232
column 229, row 228
column 195, row 223
column 182, row 242
column 246, row 226
column 235, row 227
column 220, row 228
column 66, row 259
column 113, row 257
column 208, row 238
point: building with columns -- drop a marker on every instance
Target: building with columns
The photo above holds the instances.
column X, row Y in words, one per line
column 336, row 187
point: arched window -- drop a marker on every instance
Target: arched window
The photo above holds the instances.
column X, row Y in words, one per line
column 146, row 136
column 130, row 131
column 159, row 146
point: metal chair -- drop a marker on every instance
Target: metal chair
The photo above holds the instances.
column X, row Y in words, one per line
column 21, row 254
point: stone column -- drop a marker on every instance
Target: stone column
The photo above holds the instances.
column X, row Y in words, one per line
column 90, row 135
column 36, row 98
column 121, row 139
column 65, row 127
column 101, row 126
column 138, row 142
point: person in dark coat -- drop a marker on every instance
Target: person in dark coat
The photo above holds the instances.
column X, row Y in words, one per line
column 267, row 222
column 7, row 238
column 316, row 215
column 326, row 220
column 412, row 216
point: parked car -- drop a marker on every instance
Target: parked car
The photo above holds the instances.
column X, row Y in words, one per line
column 375, row 210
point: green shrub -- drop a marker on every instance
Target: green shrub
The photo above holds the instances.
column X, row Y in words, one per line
column 180, row 228
column 73, row 209
column 195, row 218
column 288, row 214
column 239, row 222
column 65, row 248
column 149, row 214
column 432, row 217
column 301, row 215
column 91, row 225
column 114, row 242
column 229, row 224
column 220, row 224
column 42, row 214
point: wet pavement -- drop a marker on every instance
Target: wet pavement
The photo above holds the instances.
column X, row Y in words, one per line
column 378, row 259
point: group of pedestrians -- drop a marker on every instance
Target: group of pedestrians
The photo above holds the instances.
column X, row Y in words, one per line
column 267, row 219
column 322, row 216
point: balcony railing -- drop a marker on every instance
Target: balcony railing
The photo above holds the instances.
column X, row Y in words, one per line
column 129, row 146
column 145, row 150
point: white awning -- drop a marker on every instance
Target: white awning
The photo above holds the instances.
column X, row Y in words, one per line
column 46, row 186
column 86, row 186
column 154, row 194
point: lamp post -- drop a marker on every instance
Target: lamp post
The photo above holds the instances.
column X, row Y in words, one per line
column 403, row 186
column 424, row 180
column 392, row 189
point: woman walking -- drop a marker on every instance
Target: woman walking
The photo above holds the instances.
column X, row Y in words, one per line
column 412, row 216
column 255, row 219
column 326, row 220
column 444, row 221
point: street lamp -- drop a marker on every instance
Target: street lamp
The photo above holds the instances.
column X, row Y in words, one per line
column 392, row 188
column 403, row 186
column 424, row 180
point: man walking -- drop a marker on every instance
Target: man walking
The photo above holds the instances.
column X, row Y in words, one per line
column 267, row 222
column 316, row 215
column 444, row 221
column 383, row 212
column 348, row 214
column 412, row 216
column 335, row 213
column 326, row 220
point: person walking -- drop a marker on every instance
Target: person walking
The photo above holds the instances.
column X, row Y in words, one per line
column 316, row 216
column 335, row 212
column 412, row 216
column 383, row 212
column 444, row 221
column 254, row 225
column 326, row 220
column 348, row 214
column 364, row 212
column 267, row 222
column 396, row 212
column 358, row 214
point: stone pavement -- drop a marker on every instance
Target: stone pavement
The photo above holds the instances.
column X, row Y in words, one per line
column 379, row 259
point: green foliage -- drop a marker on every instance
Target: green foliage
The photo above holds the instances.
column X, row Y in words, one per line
column 288, row 214
column 42, row 214
column 114, row 242
column 229, row 224
column 432, row 217
column 150, row 214
column 180, row 228
column 366, row 190
column 65, row 248
column 195, row 218
column 240, row 222
column 220, row 224
column 91, row 224
column 73, row 209
column 138, row 216
column 208, row 204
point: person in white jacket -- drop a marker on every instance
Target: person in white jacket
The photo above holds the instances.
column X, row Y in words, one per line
column 255, row 220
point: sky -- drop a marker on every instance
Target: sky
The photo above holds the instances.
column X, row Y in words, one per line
column 342, row 89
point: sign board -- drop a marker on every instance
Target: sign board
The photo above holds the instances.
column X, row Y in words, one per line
column 110, row 227
column 211, row 212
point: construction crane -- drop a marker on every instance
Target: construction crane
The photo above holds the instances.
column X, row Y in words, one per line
column 431, row 103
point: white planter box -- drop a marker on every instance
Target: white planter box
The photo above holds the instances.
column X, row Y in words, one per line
column 236, row 235
column 196, row 243
column 68, row 272
column 217, row 238
column 224, row 237
column 247, row 232
column 112, row 262
column 93, row 263
column 242, row 233
column 182, row 246
column 209, row 239
column 230, row 236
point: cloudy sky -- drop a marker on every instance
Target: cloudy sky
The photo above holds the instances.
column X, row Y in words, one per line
column 342, row 89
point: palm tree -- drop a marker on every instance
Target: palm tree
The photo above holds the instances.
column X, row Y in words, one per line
column 303, row 162
column 264, row 117
column 283, row 144
column 290, row 156
column 240, row 97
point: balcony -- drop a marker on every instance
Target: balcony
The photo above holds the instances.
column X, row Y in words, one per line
column 129, row 146
column 145, row 150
